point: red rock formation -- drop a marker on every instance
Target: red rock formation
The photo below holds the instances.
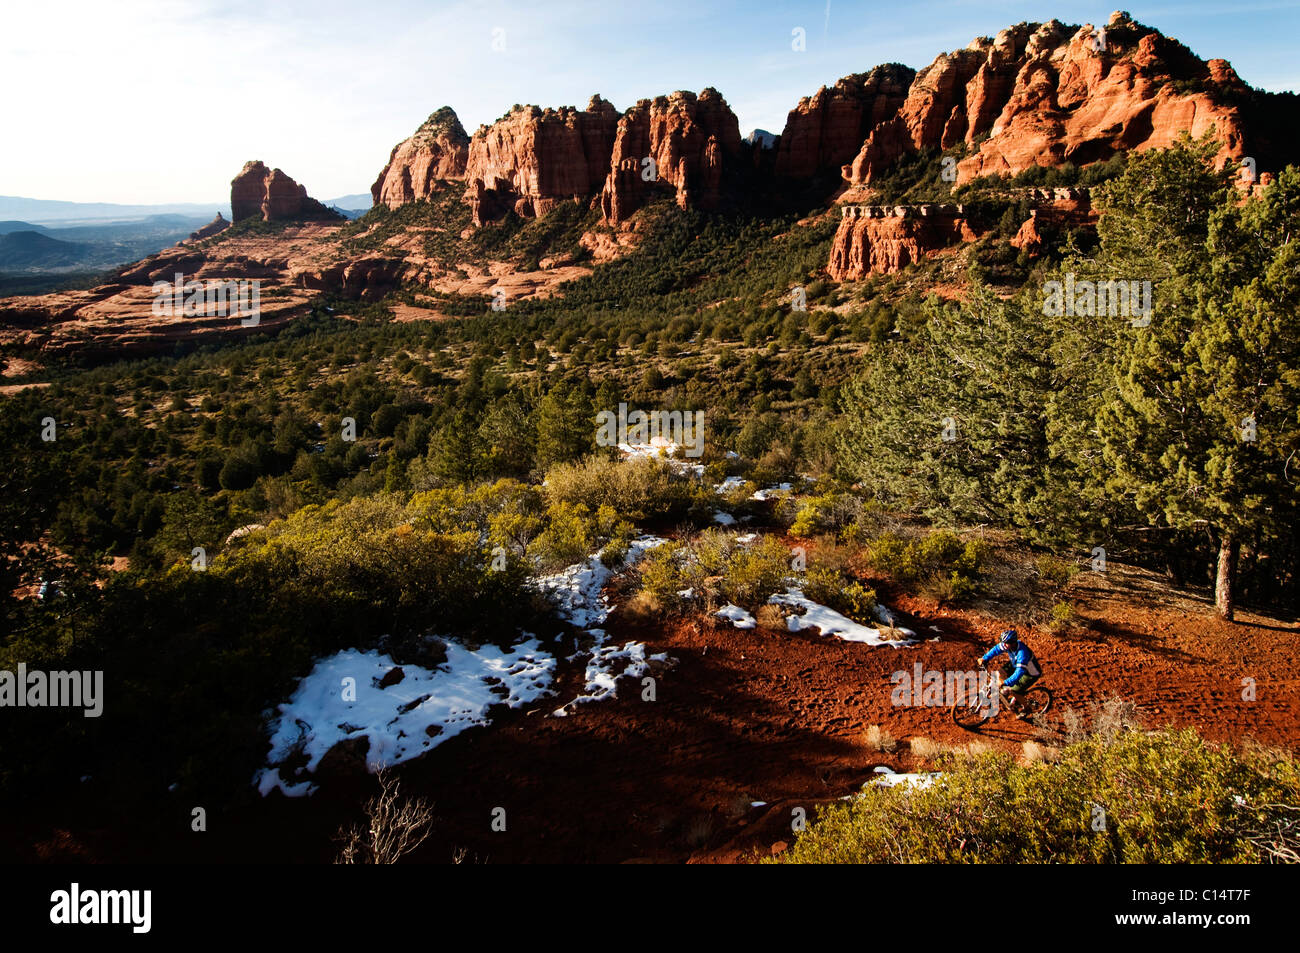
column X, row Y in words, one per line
column 218, row 224
column 1054, row 209
column 1047, row 94
column 690, row 140
column 826, row 130
column 532, row 159
column 436, row 153
column 883, row 239
column 273, row 196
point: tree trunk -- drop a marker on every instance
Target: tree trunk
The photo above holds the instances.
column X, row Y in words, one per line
column 1227, row 573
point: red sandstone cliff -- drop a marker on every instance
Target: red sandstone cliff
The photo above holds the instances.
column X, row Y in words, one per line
column 532, row 159
column 690, row 140
column 437, row 152
column 886, row 238
column 1047, row 94
column 827, row 129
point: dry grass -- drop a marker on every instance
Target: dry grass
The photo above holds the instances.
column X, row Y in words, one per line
column 771, row 618
column 642, row 607
column 879, row 739
column 1032, row 752
column 925, row 748
column 973, row 749
column 698, row 831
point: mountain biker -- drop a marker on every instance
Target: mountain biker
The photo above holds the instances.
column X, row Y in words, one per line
column 1024, row 666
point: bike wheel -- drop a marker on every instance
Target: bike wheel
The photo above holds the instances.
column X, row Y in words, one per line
column 1037, row 701
column 970, row 716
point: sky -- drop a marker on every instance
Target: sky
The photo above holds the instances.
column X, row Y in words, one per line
column 156, row 101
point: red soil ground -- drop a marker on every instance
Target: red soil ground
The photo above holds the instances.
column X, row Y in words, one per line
column 752, row 716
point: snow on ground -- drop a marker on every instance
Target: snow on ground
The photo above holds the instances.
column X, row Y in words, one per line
column 402, row 720
column 662, row 451
column 723, row 519
column 738, row 616
column 768, row 492
column 576, row 591
column 609, row 663
column 729, row 484
column 889, row 779
column 830, row 622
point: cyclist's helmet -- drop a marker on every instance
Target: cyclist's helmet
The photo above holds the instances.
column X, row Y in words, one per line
column 1008, row 638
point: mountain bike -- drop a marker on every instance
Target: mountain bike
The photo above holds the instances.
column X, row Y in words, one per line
column 992, row 701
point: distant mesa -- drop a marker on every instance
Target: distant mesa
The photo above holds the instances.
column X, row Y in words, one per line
column 271, row 195
column 762, row 138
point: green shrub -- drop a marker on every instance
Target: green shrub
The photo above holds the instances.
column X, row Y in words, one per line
column 1166, row 797
column 1062, row 616
column 832, row 588
column 948, row 568
column 756, row 572
column 638, row 489
column 1055, row 571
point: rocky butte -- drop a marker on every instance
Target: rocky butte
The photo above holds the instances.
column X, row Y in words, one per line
column 433, row 156
column 271, row 195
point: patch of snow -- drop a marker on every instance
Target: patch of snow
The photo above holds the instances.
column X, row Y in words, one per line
column 890, row 779
column 738, row 616
column 768, row 492
column 729, row 484
column 723, row 519
column 576, row 591
column 609, row 663
column 399, row 719
column 830, row 622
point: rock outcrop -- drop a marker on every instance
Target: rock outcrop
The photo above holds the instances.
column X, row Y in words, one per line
column 1047, row 94
column 270, row 194
column 532, row 159
column 883, row 239
column 678, row 144
column 1053, row 210
column 218, row 224
column 827, row 129
column 419, row 166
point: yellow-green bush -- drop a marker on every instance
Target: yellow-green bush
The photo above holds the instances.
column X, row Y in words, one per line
column 640, row 489
column 1165, row 797
column 949, row 566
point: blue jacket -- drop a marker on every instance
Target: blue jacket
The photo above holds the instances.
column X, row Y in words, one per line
column 1021, row 657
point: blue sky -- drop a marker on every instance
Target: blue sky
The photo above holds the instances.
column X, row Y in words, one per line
column 142, row 101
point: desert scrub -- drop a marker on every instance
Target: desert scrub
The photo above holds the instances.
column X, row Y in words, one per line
column 829, row 512
column 1063, row 616
column 1055, row 571
column 639, row 489
column 715, row 568
column 846, row 596
column 1164, row 797
column 948, row 567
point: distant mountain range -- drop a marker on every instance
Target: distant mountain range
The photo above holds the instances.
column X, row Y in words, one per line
column 30, row 248
column 47, row 211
